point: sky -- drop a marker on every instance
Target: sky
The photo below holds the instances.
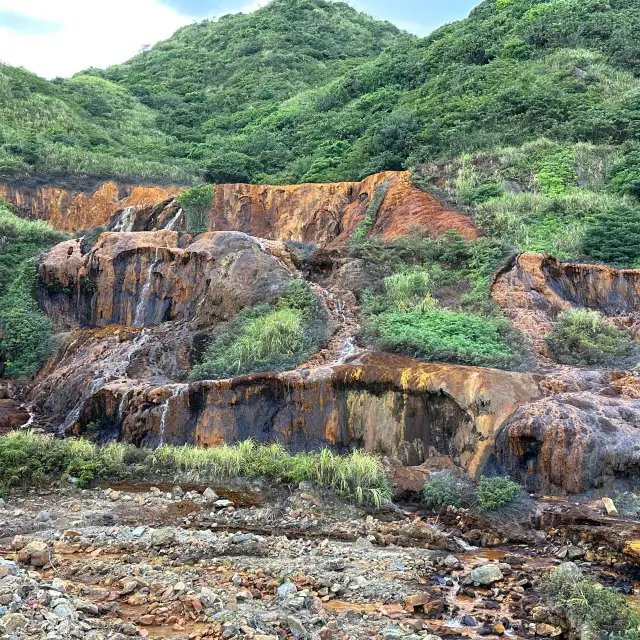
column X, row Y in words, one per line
column 61, row 37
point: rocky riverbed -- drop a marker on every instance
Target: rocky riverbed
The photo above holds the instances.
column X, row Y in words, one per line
column 145, row 561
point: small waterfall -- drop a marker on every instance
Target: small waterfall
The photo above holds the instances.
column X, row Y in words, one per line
column 348, row 349
column 173, row 220
column 178, row 392
column 121, row 406
column 145, row 295
column 74, row 414
column 126, row 220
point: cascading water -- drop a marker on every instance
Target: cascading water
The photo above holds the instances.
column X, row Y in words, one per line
column 173, row 220
column 145, row 295
column 177, row 392
column 126, row 221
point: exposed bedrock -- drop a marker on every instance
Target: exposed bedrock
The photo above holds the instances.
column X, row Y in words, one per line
column 573, row 443
column 325, row 213
column 533, row 288
column 389, row 404
column 314, row 213
column 139, row 279
column 74, row 207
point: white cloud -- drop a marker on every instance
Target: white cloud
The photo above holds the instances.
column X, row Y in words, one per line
column 92, row 33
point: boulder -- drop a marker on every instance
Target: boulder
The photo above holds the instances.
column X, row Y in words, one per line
column 486, row 575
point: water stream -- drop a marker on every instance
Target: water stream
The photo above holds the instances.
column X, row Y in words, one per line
column 126, row 220
column 145, row 295
column 173, row 220
column 177, row 392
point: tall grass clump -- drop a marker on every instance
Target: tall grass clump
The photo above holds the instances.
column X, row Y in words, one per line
column 27, row 459
column 588, row 605
column 582, row 337
column 266, row 337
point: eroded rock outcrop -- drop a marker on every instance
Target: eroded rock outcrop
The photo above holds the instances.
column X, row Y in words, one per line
column 82, row 206
column 325, row 213
column 533, row 288
column 314, row 213
column 393, row 405
column 145, row 278
column 573, row 443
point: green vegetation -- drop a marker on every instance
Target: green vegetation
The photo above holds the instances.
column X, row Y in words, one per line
column 627, row 504
column 585, row 602
column 586, row 338
column 197, row 203
column 614, row 236
column 413, row 278
column 543, row 196
column 494, row 497
column 447, row 489
column 442, row 335
column 266, row 337
column 247, row 99
column 83, row 126
column 372, row 212
column 27, row 459
column 25, row 332
column 495, row 493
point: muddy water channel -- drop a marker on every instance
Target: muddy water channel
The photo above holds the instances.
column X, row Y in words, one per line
column 159, row 561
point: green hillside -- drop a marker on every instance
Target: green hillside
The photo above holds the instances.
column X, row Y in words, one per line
column 249, row 98
column 151, row 118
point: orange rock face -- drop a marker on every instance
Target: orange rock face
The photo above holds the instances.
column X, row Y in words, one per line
column 533, row 288
column 315, row 213
column 323, row 213
column 146, row 278
column 386, row 404
column 71, row 210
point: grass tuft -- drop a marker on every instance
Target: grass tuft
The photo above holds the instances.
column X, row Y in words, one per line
column 28, row 459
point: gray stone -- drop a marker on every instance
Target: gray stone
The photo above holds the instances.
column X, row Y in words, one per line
column 12, row 622
column 488, row 574
column 210, row 494
column 287, row 589
column 296, row 627
column 162, row 537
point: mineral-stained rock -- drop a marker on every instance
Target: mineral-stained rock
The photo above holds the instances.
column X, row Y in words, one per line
column 323, row 213
column 74, row 207
column 572, row 442
column 147, row 278
column 314, row 213
column 533, row 288
column 394, row 405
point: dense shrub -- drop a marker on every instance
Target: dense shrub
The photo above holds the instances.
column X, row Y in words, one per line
column 614, row 236
column 30, row 460
column 443, row 335
column 25, row 332
column 266, row 338
column 495, row 493
column 586, row 338
column 197, row 203
column 446, row 489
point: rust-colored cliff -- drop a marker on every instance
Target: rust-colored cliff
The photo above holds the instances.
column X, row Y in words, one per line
column 323, row 213
column 314, row 213
column 74, row 210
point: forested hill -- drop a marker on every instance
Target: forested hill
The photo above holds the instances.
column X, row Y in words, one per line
column 310, row 90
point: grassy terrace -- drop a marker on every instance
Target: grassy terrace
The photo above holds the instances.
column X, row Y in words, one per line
column 28, row 459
